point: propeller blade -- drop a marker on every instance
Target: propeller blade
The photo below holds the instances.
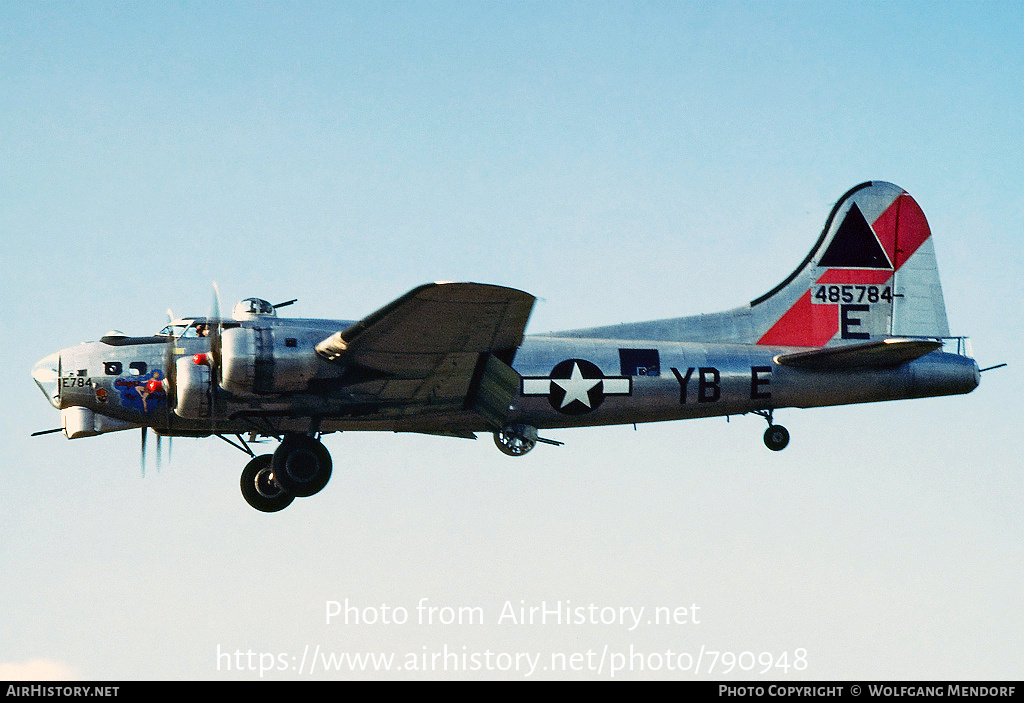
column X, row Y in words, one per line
column 170, row 384
column 142, row 457
column 215, row 327
column 170, row 371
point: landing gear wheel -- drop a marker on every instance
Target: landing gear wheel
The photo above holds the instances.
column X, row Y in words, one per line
column 302, row 465
column 259, row 488
column 776, row 437
column 513, row 443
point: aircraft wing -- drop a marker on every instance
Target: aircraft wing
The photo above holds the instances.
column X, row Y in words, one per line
column 442, row 344
column 880, row 354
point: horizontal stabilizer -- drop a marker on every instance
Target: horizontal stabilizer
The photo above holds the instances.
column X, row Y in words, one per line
column 881, row 354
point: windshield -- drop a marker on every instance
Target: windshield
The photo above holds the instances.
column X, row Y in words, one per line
column 183, row 328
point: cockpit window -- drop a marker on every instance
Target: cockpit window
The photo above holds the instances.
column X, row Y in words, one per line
column 184, row 328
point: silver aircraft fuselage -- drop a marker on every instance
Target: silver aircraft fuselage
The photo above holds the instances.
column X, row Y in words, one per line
column 861, row 319
column 565, row 382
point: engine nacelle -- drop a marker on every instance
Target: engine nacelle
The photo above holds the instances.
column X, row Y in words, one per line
column 194, row 398
column 253, row 361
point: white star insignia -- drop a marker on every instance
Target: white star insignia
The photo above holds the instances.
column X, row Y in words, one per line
column 576, row 387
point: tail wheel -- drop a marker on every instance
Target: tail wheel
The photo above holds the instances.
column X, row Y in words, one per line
column 302, row 465
column 776, row 437
column 260, row 489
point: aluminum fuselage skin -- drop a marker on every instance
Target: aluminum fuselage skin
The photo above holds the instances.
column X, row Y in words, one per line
column 565, row 382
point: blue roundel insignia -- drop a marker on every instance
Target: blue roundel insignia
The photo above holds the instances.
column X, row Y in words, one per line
column 576, row 386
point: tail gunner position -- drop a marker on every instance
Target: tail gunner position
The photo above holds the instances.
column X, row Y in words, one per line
column 861, row 319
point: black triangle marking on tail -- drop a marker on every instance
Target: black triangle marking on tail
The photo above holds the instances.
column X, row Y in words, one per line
column 855, row 245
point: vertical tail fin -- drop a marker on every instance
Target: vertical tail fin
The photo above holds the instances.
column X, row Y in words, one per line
column 872, row 274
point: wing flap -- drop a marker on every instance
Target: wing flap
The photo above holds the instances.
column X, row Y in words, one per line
column 448, row 384
column 881, row 354
column 491, row 395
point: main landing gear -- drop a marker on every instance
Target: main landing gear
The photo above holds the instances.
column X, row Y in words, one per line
column 300, row 467
column 776, row 437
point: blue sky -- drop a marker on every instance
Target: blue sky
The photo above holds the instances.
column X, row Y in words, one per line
column 621, row 161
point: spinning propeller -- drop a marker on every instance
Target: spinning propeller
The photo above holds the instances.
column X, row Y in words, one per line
column 215, row 330
column 168, row 386
column 159, row 451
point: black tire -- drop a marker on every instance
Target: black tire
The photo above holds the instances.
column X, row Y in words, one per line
column 302, row 465
column 776, row 437
column 260, row 489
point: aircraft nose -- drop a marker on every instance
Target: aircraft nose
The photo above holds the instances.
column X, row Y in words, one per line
column 46, row 373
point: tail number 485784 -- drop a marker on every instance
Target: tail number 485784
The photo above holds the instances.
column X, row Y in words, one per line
column 830, row 294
